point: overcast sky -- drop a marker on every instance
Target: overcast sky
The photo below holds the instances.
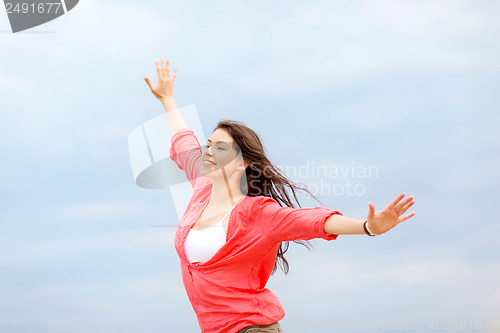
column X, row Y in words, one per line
column 408, row 88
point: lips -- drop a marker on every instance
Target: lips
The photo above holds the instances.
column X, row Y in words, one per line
column 208, row 162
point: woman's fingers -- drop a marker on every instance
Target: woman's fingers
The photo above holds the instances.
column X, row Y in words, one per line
column 175, row 72
column 395, row 201
column 402, row 204
column 149, row 83
column 371, row 210
column 158, row 70
column 164, row 68
column 405, row 207
column 406, row 217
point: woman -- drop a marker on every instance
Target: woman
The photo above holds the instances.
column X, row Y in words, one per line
column 235, row 229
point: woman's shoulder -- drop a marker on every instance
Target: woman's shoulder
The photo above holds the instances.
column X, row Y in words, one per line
column 254, row 204
column 257, row 199
column 260, row 199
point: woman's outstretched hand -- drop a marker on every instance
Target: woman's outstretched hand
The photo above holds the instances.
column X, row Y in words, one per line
column 165, row 88
column 389, row 217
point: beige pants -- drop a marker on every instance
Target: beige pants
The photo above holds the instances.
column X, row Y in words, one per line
column 272, row 328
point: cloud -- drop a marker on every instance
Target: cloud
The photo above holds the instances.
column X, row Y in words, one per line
column 436, row 282
column 59, row 249
column 97, row 210
column 69, row 101
column 122, row 303
column 318, row 45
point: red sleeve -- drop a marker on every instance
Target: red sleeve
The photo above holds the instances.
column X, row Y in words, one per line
column 185, row 151
column 287, row 223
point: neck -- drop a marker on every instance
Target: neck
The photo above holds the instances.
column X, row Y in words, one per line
column 225, row 191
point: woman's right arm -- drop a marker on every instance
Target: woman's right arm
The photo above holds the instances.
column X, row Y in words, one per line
column 164, row 91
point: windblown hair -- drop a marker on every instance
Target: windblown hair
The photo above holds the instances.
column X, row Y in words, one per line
column 263, row 178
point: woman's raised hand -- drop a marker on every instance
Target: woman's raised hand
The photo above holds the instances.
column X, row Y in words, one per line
column 165, row 88
column 389, row 217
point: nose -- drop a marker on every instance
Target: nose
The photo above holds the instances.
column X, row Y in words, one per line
column 207, row 151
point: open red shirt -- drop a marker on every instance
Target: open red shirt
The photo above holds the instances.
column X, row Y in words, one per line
column 228, row 291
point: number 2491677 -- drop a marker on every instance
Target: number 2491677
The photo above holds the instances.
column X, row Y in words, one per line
column 40, row 8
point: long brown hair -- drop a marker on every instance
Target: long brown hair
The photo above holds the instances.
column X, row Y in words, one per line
column 263, row 178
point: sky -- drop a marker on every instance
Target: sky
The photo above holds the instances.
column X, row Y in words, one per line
column 405, row 89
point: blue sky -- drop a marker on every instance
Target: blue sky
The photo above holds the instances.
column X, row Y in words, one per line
column 408, row 87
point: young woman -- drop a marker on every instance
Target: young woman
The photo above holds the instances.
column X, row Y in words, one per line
column 240, row 219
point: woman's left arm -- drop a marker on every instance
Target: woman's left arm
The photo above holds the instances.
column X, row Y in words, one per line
column 378, row 223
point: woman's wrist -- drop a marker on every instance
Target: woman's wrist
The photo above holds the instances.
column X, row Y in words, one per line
column 367, row 229
column 168, row 99
column 168, row 103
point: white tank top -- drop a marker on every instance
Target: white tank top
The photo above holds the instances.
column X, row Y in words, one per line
column 201, row 245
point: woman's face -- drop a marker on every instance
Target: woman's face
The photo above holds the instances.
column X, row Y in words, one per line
column 221, row 152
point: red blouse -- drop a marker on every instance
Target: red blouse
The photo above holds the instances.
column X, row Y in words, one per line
column 228, row 291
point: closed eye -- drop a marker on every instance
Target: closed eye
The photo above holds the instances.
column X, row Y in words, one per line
column 207, row 146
